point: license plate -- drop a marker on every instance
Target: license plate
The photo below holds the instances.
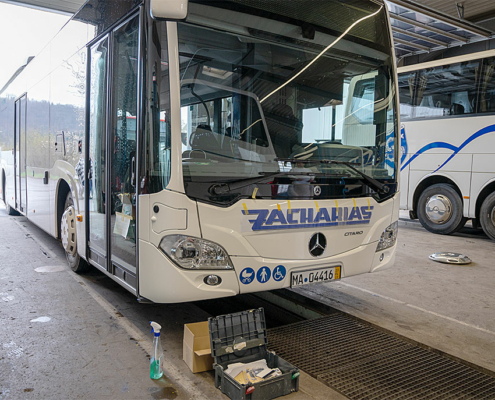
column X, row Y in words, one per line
column 315, row 276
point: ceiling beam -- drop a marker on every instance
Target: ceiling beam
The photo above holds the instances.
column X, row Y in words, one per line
column 418, row 36
column 411, row 44
column 441, row 17
column 428, row 28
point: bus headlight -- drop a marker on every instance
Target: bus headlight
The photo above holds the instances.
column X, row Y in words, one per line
column 194, row 253
column 389, row 237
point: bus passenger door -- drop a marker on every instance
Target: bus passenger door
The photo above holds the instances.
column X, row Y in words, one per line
column 20, row 154
column 112, row 157
column 96, row 163
column 124, row 127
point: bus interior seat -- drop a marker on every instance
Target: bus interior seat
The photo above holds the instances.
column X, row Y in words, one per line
column 205, row 144
column 457, row 109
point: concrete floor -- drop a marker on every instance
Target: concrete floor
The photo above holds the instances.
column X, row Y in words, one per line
column 448, row 307
column 64, row 335
column 73, row 336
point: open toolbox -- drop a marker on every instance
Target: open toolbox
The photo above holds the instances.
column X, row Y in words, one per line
column 242, row 338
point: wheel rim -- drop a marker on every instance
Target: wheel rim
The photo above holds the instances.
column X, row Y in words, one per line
column 68, row 231
column 492, row 215
column 438, row 209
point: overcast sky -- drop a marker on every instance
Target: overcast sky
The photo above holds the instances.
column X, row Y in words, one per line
column 24, row 32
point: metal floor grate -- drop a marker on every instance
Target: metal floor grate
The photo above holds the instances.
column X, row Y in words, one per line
column 363, row 362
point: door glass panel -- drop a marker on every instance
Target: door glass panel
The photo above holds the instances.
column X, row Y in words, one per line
column 97, row 144
column 123, row 141
column 22, row 153
column 17, row 153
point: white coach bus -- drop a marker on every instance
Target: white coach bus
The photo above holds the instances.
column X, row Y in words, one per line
column 448, row 142
column 194, row 150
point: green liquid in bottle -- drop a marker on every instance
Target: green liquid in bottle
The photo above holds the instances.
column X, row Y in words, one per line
column 155, row 371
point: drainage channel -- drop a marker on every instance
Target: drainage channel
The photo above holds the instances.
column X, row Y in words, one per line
column 362, row 361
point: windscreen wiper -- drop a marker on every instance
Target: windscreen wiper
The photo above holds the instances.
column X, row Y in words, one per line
column 222, row 188
column 371, row 182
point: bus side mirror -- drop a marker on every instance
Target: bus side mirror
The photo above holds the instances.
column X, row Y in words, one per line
column 169, row 9
column 381, row 100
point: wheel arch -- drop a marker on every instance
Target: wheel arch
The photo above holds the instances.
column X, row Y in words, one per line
column 433, row 180
column 63, row 189
column 487, row 189
column 4, row 183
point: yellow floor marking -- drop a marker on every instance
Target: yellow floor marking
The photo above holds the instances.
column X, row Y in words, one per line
column 336, row 204
column 254, row 193
column 369, row 206
column 354, row 200
column 317, row 206
column 245, row 208
column 278, row 206
column 288, row 203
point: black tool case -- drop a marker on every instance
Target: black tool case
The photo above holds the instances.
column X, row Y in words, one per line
column 241, row 337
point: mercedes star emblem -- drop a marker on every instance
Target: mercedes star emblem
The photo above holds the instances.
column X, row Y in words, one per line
column 317, row 190
column 317, row 244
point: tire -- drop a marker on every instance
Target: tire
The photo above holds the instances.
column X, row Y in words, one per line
column 76, row 263
column 487, row 216
column 440, row 209
column 9, row 209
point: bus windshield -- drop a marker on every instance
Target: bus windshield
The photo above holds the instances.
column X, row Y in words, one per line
column 280, row 88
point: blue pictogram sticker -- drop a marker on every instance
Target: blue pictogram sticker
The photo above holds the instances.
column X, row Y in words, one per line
column 279, row 273
column 247, row 275
column 264, row 275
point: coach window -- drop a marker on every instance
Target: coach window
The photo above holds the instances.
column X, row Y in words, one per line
column 487, row 87
column 441, row 91
column 407, row 84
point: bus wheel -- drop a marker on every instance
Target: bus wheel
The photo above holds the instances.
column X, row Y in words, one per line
column 440, row 209
column 68, row 234
column 487, row 216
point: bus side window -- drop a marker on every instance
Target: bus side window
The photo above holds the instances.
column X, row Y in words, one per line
column 487, row 86
column 439, row 91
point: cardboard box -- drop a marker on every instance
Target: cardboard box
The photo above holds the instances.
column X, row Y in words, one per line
column 196, row 347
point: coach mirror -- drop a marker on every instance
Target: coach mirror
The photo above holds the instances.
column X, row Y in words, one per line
column 381, row 99
column 169, row 9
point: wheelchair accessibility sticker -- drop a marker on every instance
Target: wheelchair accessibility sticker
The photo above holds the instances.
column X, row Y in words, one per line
column 279, row 273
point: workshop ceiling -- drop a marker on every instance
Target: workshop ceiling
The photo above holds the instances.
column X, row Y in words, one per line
column 471, row 10
column 65, row 6
column 419, row 26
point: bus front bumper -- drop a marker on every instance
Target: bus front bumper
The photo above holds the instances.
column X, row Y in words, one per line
column 161, row 281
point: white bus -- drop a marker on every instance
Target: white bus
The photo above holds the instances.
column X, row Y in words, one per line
column 448, row 142
column 195, row 150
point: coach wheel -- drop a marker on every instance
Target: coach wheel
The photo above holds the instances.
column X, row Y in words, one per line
column 440, row 209
column 68, row 234
column 487, row 216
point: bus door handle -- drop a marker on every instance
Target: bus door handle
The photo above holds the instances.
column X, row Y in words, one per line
column 133, row 171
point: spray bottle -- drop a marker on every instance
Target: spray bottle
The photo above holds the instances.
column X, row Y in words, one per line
column 156, row 367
